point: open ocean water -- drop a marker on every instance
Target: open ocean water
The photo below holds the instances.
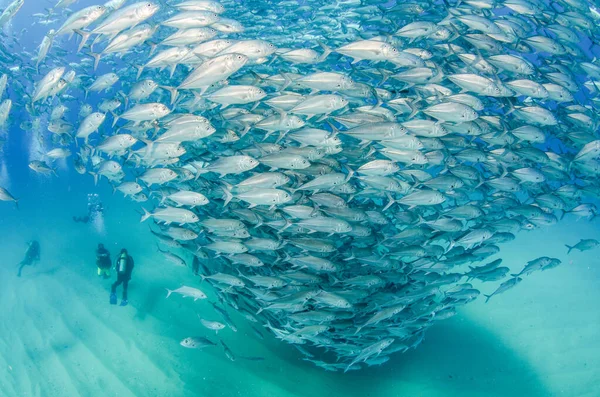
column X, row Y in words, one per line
column 59, row 336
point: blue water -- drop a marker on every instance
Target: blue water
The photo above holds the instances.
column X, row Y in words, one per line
column 60, row 337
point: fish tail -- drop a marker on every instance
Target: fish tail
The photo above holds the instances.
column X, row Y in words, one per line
column 115, row 118
column 140, row 70
column 149, row 144
column 562, row 215
column 145, row 216
column 84, row 38
column 152, row 45
column 349, row 365
column 350, row 173
column 487, row 297
column 96, row 59
column 228, row 196
column 95, row 175
column 172, row 91
column 282, row 135
column 414, row 110
column 245, row 130
column 169, row 292
column 391, row 201
column 326, row 51
column 569, row 248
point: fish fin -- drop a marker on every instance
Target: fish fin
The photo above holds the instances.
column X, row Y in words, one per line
column 95, row 175
column 245, row 130
column 257, row 78
column 326, row 51
column 145, row 216
column 391, row 201
column 320, row 119
column 172, row 91
column 287, row 82
column 140, row 71
column 84, row 38
column 227, row 190
column 282, row 135
column 562, row 215
column 413, row 110
column 115, row 118
column 149, row 145
column 152, row 45
column 569, row 247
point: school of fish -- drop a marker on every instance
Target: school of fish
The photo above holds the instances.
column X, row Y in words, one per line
column 339, row 172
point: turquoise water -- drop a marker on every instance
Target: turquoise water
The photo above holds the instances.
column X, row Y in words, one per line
column 59, row 336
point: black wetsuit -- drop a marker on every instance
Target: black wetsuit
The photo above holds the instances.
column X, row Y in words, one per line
column 123, row 277
column 31, row 255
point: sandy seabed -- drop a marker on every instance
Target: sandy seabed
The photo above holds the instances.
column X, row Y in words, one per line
column 60, row 337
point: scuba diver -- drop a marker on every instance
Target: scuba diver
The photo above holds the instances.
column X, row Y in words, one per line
column 103, row 261
column 95, row 208
column 124, row 268
column 32, row 255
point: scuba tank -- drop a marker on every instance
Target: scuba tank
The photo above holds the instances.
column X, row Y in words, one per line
column 122, row 263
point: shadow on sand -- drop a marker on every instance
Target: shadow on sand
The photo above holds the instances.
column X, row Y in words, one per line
column 457, row 358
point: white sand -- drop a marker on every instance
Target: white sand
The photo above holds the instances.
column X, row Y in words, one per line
column 60, row 337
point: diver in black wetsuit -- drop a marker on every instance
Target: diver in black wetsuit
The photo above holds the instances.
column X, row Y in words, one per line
column 124, row 268
column 82, row 219
column 32, row 255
